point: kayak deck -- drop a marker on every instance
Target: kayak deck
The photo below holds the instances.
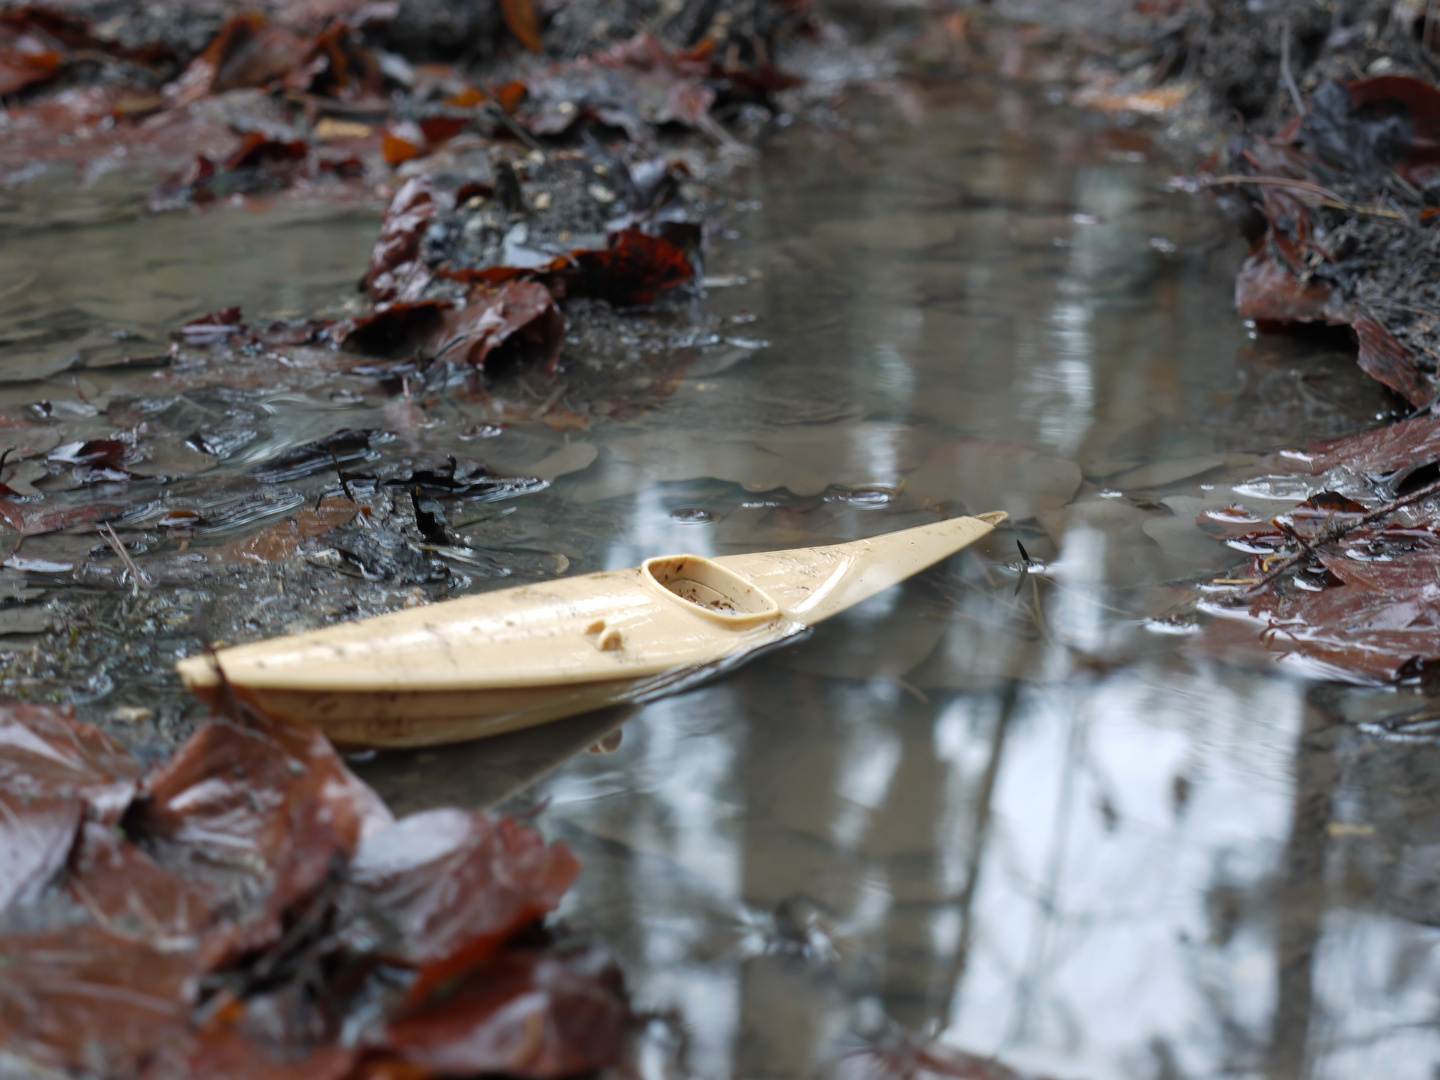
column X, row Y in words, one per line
column 495, row 661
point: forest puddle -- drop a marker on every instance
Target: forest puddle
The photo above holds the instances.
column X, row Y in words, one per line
column 1038, row 816
column 1079, row 842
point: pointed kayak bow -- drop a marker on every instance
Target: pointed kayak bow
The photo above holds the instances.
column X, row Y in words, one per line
column 855, row 571
column 496, row 661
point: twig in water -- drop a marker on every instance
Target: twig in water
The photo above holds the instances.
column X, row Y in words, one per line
column 1308, row 548
column 344, row 480
column 137, row 579
column 1286, row 75
column 1327, row 197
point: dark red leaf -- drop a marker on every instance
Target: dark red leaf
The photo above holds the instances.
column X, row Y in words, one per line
column 36, row 833
column 30, row 520
column 439, row 129
column 455, row 885
column 266, row 810
column 24, row 61
column 46, row 753
column 395, row 271
column 1269, row 293
column 89, row 1001
column 217, row 326
column 395, row 329
column 1374, row 101
column 257, row 150
column 1384, row 358
column 126, row 892
column 248, row 51
column 523, row 1014
column 521, row 312
column 110, row 453
column 337, row 65
column 1395, row 448
column 635, row 269
column 224, row 1053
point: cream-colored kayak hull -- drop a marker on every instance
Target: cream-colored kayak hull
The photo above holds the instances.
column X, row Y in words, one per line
column 485, row 664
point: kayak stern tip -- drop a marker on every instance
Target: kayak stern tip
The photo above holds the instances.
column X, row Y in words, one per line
column 199, row 673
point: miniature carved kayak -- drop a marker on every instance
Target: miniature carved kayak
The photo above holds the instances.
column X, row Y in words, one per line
column 485, row 664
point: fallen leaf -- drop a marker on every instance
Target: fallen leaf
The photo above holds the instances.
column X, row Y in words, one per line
column 1268, row 292
column 283, row 541
column 523, row 1014
column 86, row 1000
column 259, row 816
column 35, row 837
column 126, row 892
column 24, row 61
column 524, row 22
column 46, row 753
column 1385, row 359
column 454, row 886
column 248, row 51
column 395, row 271
column 520, row 313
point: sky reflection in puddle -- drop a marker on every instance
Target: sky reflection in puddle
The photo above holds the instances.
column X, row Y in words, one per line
column 1023, row 823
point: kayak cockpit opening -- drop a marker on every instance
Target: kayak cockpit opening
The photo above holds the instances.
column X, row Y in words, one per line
column 710, row 590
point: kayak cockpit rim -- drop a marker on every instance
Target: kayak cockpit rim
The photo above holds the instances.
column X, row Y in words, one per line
column 709, row 590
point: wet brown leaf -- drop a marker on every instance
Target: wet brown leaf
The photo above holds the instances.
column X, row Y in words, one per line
column 223, row 1053
column 1268, row 292
column 255, row 896
column 396, row 329
column 260, row 815
column 24, row 61
column 395, row 271
column 130, row 895
column 46, row 753
column 454, row 885
column 35, row 837
column 90, row 1001
column 633, row 270
column 257, row 150
column 1397, row 448
column 282, row 542
column 524, row 22
column 31, row 519
column 523, row 1014
column 1385, row 359
column 520, row 313
column 248, row 51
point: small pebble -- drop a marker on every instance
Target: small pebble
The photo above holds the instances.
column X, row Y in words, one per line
column 134, row 714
